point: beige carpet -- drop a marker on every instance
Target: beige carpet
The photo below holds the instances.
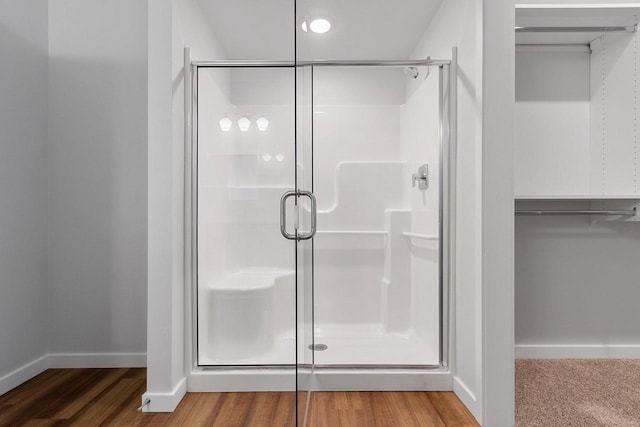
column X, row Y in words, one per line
column 577, row 392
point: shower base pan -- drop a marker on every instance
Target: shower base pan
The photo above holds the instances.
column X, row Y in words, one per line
column 366, row 345
column 346, row 345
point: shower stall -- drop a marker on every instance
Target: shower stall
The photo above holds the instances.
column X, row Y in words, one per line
column 320, row 222
column 318, row 209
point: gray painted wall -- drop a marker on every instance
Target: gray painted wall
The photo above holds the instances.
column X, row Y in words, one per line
column 23, row 182
column 98, row 175
column 576, row 282
column 73, row 179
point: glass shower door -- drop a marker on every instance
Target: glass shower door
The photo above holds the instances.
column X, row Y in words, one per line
column 245, row 269
column 255, row 221
column 305, row 244
column 370, row 284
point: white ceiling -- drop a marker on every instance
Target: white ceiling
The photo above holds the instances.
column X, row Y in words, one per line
column 361, row 29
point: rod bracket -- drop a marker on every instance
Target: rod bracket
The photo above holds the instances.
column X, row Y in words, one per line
column 632, row 204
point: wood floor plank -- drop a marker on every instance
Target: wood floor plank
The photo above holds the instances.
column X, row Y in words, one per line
column 127, row 414
column 384, row 409
column 235, row 411
column 35, row 387
column 110, row 397
column 73, row 406
column 32, row 399
column 199, row 409
column 314, row 419
column 267, row 410
column 77, row 383
column 451, row 409
column 409, row 409
column 418, row 409
column 302, row 397
column 40, row 423
column 108, row 403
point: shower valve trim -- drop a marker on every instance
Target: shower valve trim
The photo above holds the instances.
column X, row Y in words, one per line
column 422, row 177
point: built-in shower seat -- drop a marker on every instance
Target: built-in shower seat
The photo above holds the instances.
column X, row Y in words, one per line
column 245, row 316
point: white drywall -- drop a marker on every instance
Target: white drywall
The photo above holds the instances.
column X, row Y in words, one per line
column 483, row 345
column 498, row 98
column 173, row 25
column 457, row 25
column 97, row 176
column 163, row 360
column 23, row 184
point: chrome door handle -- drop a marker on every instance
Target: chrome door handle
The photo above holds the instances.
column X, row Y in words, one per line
column 283, row 215
column 314, row 215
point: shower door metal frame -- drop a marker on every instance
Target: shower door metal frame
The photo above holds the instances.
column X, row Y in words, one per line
column 447, row 93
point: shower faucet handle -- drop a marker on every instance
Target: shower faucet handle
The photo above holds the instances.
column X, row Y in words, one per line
column 422, row 177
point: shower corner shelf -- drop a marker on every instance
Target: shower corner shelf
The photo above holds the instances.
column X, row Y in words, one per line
column 352, row 233
column 259, row 187
column 420, row 236
column 420, row 240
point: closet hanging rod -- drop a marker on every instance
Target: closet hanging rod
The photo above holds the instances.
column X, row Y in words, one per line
column 631, row 212
column 625, row 28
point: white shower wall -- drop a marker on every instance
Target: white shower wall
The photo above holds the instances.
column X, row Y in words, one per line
column 215, row 84
column 357, row 175
column 421, row 144
column 240, row 174
column 368, row 140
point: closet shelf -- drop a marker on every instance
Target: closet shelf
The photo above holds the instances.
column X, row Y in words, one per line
column 568, row 198
column 571, row 16
column 628, row 212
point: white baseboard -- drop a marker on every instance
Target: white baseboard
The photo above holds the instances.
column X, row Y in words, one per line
column 165, row 402
column 467, row 397
column 23, row 374
column 69, row 361
column 97, row 360
column 577, row 351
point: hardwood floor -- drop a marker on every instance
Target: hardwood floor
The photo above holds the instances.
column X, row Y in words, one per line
column 386, row 409
column 110, row 397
